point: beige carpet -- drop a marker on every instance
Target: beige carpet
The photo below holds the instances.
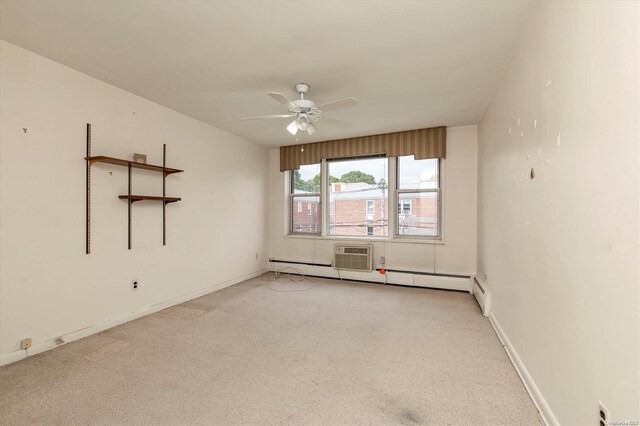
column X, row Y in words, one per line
column 257, row 353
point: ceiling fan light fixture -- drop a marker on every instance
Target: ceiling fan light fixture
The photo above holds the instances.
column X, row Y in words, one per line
column 311, row 129
column 293, row 127
column 303, row 124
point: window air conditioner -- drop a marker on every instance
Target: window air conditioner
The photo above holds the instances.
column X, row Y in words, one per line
column 353, row 257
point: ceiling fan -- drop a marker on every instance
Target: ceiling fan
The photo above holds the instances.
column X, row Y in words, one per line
column 305, row 112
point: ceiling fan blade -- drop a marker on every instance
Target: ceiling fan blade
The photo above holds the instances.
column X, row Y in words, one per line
column 335, row 123
column 341, row 103
column 281, row 99
column 269, row 116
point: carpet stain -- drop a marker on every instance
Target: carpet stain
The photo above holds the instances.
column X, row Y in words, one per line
column 96, row 347
column 402, row 415
column 407, row 416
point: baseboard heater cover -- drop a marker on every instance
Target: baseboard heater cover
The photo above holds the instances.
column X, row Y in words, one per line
column 300, row 263
column 378, row 282
column 435, row 274
column 482, row 295
column 404, row 278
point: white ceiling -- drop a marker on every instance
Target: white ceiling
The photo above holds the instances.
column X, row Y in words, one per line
column 411, row 64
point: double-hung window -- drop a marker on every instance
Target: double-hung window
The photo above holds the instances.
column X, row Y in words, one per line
column 358, row 196
column 305, row 196
column 418, row 197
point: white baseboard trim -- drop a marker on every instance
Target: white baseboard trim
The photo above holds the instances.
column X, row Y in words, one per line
column 84, row 332
column 541, row 404
column 402, row 278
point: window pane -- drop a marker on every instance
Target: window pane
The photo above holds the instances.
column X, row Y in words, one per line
column 306, row 180
column 358, row 197
column 417, row 174
column 306, row 219
column 418, row 213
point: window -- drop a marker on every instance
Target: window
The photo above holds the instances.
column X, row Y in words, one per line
column 370, row 209
column 418, row 195
column 358, row 186
column 357, row 200
column 404, row 207
column 305, row 188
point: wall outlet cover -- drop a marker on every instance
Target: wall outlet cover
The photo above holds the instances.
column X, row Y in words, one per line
column 25, row 343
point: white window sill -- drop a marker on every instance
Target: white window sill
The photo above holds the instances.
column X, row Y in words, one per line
column 396, row 240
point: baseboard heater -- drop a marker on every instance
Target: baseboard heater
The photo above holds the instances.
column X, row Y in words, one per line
column 482, row 296
column 393, row 276
column 300, row 263
column 433, row 274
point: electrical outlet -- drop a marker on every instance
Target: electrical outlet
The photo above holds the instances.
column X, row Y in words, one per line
column 382, row 259
column 135, row 285
column 59, row 341
column 256, row 255
column 604, row 415
column 25, row 343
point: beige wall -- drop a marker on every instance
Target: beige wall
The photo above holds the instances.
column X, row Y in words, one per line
column 560, row 252
column 456, row 256
column 48, row 285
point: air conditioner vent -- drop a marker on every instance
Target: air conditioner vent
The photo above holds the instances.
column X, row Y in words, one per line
column 353, row 258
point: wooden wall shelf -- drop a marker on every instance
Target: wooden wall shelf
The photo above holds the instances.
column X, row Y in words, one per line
column 125, row 163
column 134, row 198
column 131, row 198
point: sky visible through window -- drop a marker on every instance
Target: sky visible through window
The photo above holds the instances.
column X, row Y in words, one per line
column 376, row 167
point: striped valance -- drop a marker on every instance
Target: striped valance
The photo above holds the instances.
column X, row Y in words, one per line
column 422, row 144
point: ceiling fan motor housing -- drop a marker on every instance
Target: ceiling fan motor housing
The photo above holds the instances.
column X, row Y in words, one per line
column 304, row 104
column 302, row 88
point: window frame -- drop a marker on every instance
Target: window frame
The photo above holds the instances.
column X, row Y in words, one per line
column 327, row 194
column 437, row 191
column 292, row 200
column 393, row 197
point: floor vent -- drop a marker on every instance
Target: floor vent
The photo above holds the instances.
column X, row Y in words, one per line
column 352, row 257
